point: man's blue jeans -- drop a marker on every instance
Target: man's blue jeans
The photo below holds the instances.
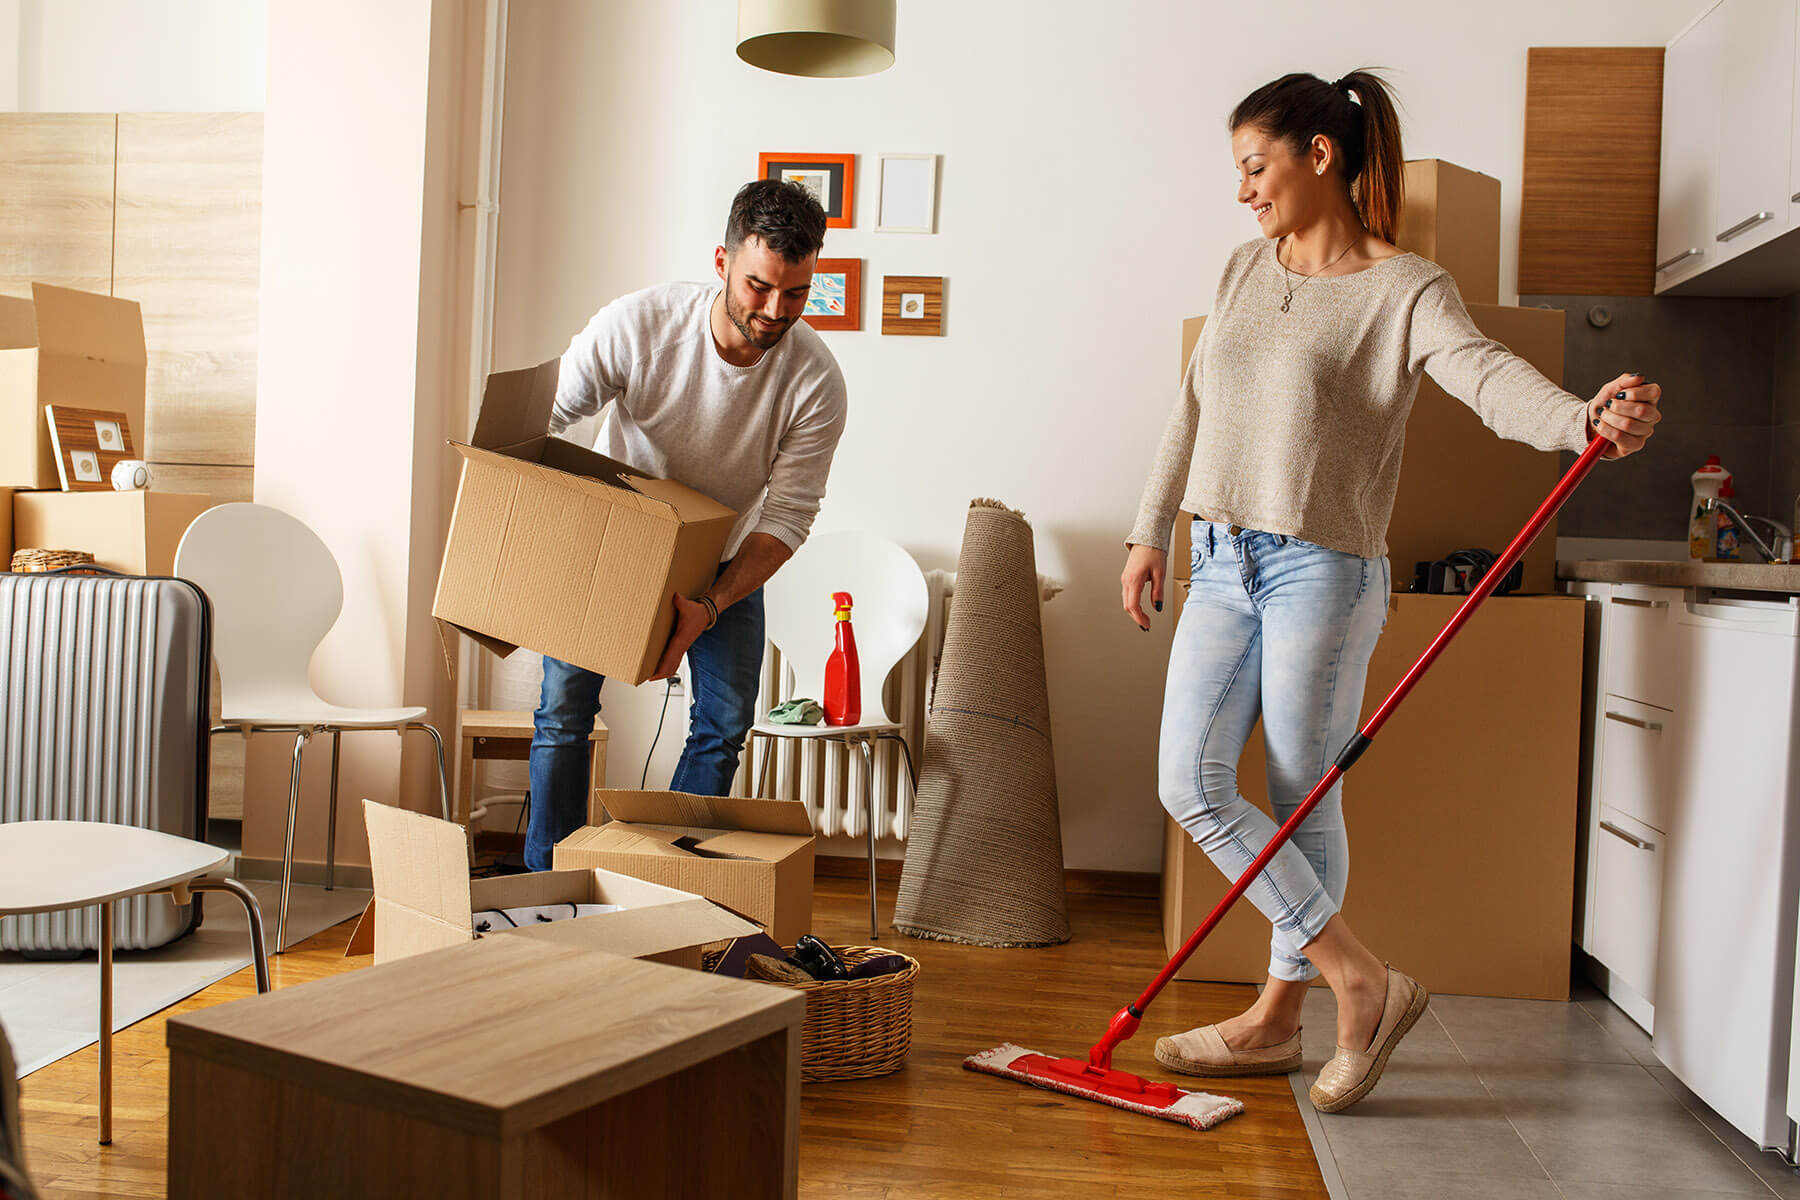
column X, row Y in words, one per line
column 725, row 665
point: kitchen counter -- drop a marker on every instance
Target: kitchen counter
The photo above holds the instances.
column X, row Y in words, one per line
column 1753, row 577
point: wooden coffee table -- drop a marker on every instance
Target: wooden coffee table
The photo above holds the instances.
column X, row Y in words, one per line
column 507, row 1067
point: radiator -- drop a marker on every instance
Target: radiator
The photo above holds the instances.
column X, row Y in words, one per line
column 827, row 776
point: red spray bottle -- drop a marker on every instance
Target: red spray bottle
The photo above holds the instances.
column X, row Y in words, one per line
column 843, row 675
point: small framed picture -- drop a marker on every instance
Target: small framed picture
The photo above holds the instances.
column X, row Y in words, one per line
column 831, row 178
column 87, row 442
column 913, row 304
column 908, row 194
column 835, row 301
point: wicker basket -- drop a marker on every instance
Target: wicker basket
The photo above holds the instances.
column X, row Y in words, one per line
column 855, row 1028
column 33, row 561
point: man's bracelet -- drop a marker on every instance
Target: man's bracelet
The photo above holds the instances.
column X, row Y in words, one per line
column 712, row 611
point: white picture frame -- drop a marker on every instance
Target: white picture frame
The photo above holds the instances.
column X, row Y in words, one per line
column 907, row 194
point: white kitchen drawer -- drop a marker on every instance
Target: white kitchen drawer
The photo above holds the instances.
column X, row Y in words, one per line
column 1644, row 661
column 1628, row 869
column 1638, row 769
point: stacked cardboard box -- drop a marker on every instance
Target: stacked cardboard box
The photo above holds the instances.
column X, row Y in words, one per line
column 74, row 348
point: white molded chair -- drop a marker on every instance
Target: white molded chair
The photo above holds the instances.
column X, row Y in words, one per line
column 276, row 592
column 889, row 615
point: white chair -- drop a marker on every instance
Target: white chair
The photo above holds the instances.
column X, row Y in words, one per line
column 890, row 603
column 276, row 592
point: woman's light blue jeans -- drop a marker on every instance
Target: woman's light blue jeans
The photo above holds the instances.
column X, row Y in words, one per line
column 1282, row 629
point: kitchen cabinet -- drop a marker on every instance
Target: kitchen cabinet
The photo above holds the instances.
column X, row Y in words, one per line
column 1692, row 835
column 1729, row 167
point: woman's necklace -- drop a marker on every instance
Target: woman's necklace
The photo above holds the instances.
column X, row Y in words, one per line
column 1289, row 298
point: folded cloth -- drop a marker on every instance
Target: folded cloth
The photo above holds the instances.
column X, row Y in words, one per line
column 489, row 920
column 796, row 712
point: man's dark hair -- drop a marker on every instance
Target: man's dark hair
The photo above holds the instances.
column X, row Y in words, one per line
column 784, row 215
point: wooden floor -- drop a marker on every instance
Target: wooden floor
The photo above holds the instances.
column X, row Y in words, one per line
column 932, row 1130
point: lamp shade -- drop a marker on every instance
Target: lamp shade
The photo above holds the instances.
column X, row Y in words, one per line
column 823, row 39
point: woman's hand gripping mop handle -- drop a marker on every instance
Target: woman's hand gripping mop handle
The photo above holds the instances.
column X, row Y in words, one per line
column 1125, row 1022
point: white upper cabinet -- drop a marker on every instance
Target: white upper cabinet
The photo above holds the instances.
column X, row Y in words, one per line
column 1731, row 152
column 1684, row 214
column 1755, row 123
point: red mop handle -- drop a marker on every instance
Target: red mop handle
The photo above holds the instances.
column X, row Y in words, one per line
column 1120, row 1029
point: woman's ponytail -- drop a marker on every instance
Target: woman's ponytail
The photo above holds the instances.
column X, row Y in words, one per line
column 1380, row 187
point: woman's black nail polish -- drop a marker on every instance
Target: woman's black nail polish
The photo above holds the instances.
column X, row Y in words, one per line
column 1145, row 628
column 1158, row 606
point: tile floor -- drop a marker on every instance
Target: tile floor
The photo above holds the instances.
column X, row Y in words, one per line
column 1526, row 1100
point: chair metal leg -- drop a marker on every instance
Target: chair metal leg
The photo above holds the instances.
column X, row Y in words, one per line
column 106, row 1021
column 331, row 818
column 443, row 772
column 253, row 911
column 287, row 852
column 771, row 747
column 867, row 747
column 912, row 773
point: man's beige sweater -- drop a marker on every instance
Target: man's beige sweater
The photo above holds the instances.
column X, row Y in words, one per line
column 1292, row 422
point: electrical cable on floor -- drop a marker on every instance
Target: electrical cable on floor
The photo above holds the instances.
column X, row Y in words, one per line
column 668, row 691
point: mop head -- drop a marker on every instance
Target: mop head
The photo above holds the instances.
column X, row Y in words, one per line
column 1200, row 1110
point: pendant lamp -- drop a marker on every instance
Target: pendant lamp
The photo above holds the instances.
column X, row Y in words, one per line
column 823, row 39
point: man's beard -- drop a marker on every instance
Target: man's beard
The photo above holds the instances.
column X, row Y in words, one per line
column 761, row 339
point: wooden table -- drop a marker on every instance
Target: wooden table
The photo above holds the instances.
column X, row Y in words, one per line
column 489, row 734
column 508, row 1067
column 46, row 866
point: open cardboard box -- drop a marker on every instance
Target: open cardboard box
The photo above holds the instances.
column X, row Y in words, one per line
column 564, row 551
column 753, row 856
column 133, row 532
column 64, row 347
column 425, row 900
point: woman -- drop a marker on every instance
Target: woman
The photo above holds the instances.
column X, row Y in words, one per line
column 1285, row 442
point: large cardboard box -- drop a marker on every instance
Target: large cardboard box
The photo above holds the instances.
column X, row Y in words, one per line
column 64, row 347
column 1461, row 486
column 6, row 528
column 753, row 856
column 1462, row 814
column 564, row 551
column 425, row 900
column 133, row 532
column 1451, row 215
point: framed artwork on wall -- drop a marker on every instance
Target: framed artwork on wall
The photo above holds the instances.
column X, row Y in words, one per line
column 913, row 304
column 907, row 194
column 835, row 301
column 831, row 178
column 88, row 442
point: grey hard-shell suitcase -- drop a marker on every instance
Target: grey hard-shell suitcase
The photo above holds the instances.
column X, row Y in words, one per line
column 103, row 717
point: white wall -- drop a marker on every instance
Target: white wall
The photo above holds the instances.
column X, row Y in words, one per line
column 135, row 55
column 1086, row 207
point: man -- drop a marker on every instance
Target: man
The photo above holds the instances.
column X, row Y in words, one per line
column 723, row 388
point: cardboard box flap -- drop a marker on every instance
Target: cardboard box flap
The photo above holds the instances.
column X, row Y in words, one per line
column 515, row 407
column 689, row 505
column 615, row 838
column 518, row 461
column 18, row 323
column 683, row 502
column 708, row 812
column 641, row 932
column 746, row 843
column 419, row 863
column 84, row 325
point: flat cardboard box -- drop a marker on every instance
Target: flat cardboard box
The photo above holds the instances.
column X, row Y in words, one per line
column 564, row 551
column 1462, row 813
column 1461, row 485
column 425, row 900
column 753, row 856
column 64, row 347
column 1451, row 215
column 133, row 532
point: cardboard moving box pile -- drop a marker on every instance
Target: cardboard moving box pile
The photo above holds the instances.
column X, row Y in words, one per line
column 751, row 855
column 425, row 900
column 564, row 551
column 82, row 350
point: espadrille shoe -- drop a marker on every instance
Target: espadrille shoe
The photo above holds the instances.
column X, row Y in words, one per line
column 1352, row 1074
column 1203, row 1051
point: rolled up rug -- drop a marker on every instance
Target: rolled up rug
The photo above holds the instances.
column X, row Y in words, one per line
column 984, row 862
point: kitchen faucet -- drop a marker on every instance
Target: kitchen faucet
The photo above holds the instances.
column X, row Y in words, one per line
column 1780, row 534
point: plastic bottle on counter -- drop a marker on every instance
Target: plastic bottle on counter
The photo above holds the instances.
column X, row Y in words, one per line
column 843, row 673
column 1703, row 526
column 1725, row 543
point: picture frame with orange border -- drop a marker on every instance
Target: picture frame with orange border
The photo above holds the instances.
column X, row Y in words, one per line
column 831, row 178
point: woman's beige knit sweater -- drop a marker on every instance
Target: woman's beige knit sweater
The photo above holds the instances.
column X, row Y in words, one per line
column 1292, row 423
